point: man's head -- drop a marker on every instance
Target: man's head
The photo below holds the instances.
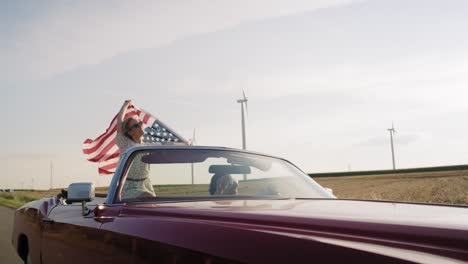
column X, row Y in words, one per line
column 226, row 185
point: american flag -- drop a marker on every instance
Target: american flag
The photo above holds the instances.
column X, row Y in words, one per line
column 105, row 152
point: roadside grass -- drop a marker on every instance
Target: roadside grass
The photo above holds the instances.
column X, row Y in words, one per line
column 446, row 187
column 17, row 199
column 428, row 187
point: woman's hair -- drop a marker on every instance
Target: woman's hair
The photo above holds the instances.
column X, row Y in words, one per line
column 214, row 183
column 126, row 127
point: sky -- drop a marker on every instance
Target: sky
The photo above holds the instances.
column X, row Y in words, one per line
column 324, row 80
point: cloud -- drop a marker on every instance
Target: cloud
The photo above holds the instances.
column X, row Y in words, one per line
column 294, row 66
column 291, row 54
column 61, row 35
column 316, row 79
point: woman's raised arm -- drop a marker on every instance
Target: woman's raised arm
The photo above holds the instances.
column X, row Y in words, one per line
column 120, row 117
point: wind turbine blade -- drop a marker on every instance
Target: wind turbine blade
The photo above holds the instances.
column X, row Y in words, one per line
column 246, row 109
column 245, row 100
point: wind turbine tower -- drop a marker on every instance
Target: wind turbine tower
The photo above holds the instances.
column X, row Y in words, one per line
column 392, row 131
column 242, row 101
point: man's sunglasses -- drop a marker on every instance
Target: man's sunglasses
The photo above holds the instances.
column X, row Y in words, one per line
column 137, row 125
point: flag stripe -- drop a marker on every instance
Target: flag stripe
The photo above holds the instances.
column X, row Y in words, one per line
column 110, row 161
column 109, row 166
column 104, row 172
column 114, row 153
column 105, row 147
column 99, row 146
column 112, row 124
column 92, row 143
column 146, row 118
column 106, row 152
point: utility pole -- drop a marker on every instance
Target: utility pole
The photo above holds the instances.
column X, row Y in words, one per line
column 392, row 131
column 193, row 177
column 193, row 143
column 51, row 175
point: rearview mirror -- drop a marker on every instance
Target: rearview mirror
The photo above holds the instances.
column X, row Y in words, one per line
column 229, row 169
column 176, row 156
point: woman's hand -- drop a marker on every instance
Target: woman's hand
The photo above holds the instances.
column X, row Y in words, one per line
column 121, row 115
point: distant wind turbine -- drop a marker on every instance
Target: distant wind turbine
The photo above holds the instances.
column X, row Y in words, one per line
column 242, row 101
column 192, row 142
column 392, row 131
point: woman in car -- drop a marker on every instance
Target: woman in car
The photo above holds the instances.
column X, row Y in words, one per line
column 129, row 134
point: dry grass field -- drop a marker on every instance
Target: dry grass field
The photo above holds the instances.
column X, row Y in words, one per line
column 449, row 187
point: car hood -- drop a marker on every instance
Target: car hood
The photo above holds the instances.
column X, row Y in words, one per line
column 304, row 211
column 420, row 233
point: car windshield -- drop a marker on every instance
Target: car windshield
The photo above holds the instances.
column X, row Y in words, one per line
column 184, row 174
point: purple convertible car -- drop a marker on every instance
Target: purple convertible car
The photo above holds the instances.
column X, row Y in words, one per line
column 272, row 213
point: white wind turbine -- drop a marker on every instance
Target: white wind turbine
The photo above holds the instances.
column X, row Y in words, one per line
column 242, row 101
column 192, row 142
column 392, row 131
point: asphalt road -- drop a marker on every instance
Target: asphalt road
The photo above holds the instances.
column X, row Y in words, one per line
column 7, row 253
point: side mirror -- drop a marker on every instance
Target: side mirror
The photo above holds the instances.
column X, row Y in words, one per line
column 329, row 190
column 81, row 192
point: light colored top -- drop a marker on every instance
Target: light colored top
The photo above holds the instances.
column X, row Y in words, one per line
column 137, row 181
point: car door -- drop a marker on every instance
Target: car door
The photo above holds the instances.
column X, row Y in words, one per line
column 132, row 236
column 69, row 237
column 124, row 244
